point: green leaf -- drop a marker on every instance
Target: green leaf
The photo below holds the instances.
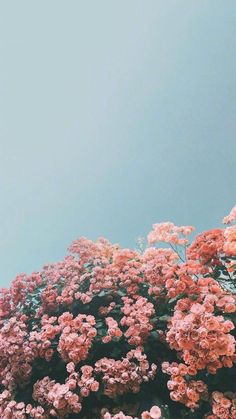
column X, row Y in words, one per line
column 102, row 293
column 154, row 334
column 164, row 318
column 99, row 324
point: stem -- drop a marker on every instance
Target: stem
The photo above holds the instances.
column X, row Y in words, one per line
column 175, row 250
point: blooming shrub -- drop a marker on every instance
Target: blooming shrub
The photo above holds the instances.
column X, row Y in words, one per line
column 118, row 333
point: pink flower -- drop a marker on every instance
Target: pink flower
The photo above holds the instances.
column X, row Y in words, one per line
column 70, row 367
column 231, row 217
column 155, row 412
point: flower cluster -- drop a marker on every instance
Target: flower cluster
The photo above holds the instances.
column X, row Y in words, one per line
column 157, row 263
column 16, row 354
column 223, row 405
column 203, row 339
column 125, row 375
column 207, row 247
column 124, row 334
column 169, row 233
column 137, row 318
column 230, row 241
column 11, row 409
column 58, row 398
column 113, row 330
column 188, row 392
column 154, row 413
column 76, row 336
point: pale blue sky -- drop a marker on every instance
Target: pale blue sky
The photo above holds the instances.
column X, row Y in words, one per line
column 113, row 115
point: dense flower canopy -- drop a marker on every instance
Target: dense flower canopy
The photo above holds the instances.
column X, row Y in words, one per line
column 118, row 333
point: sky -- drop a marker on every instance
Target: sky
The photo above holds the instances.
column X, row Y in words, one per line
column 114, row 115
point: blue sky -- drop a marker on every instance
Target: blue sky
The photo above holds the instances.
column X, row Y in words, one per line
column 113, row 115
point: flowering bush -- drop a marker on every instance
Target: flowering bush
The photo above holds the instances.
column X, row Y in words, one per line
column 118, row 333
